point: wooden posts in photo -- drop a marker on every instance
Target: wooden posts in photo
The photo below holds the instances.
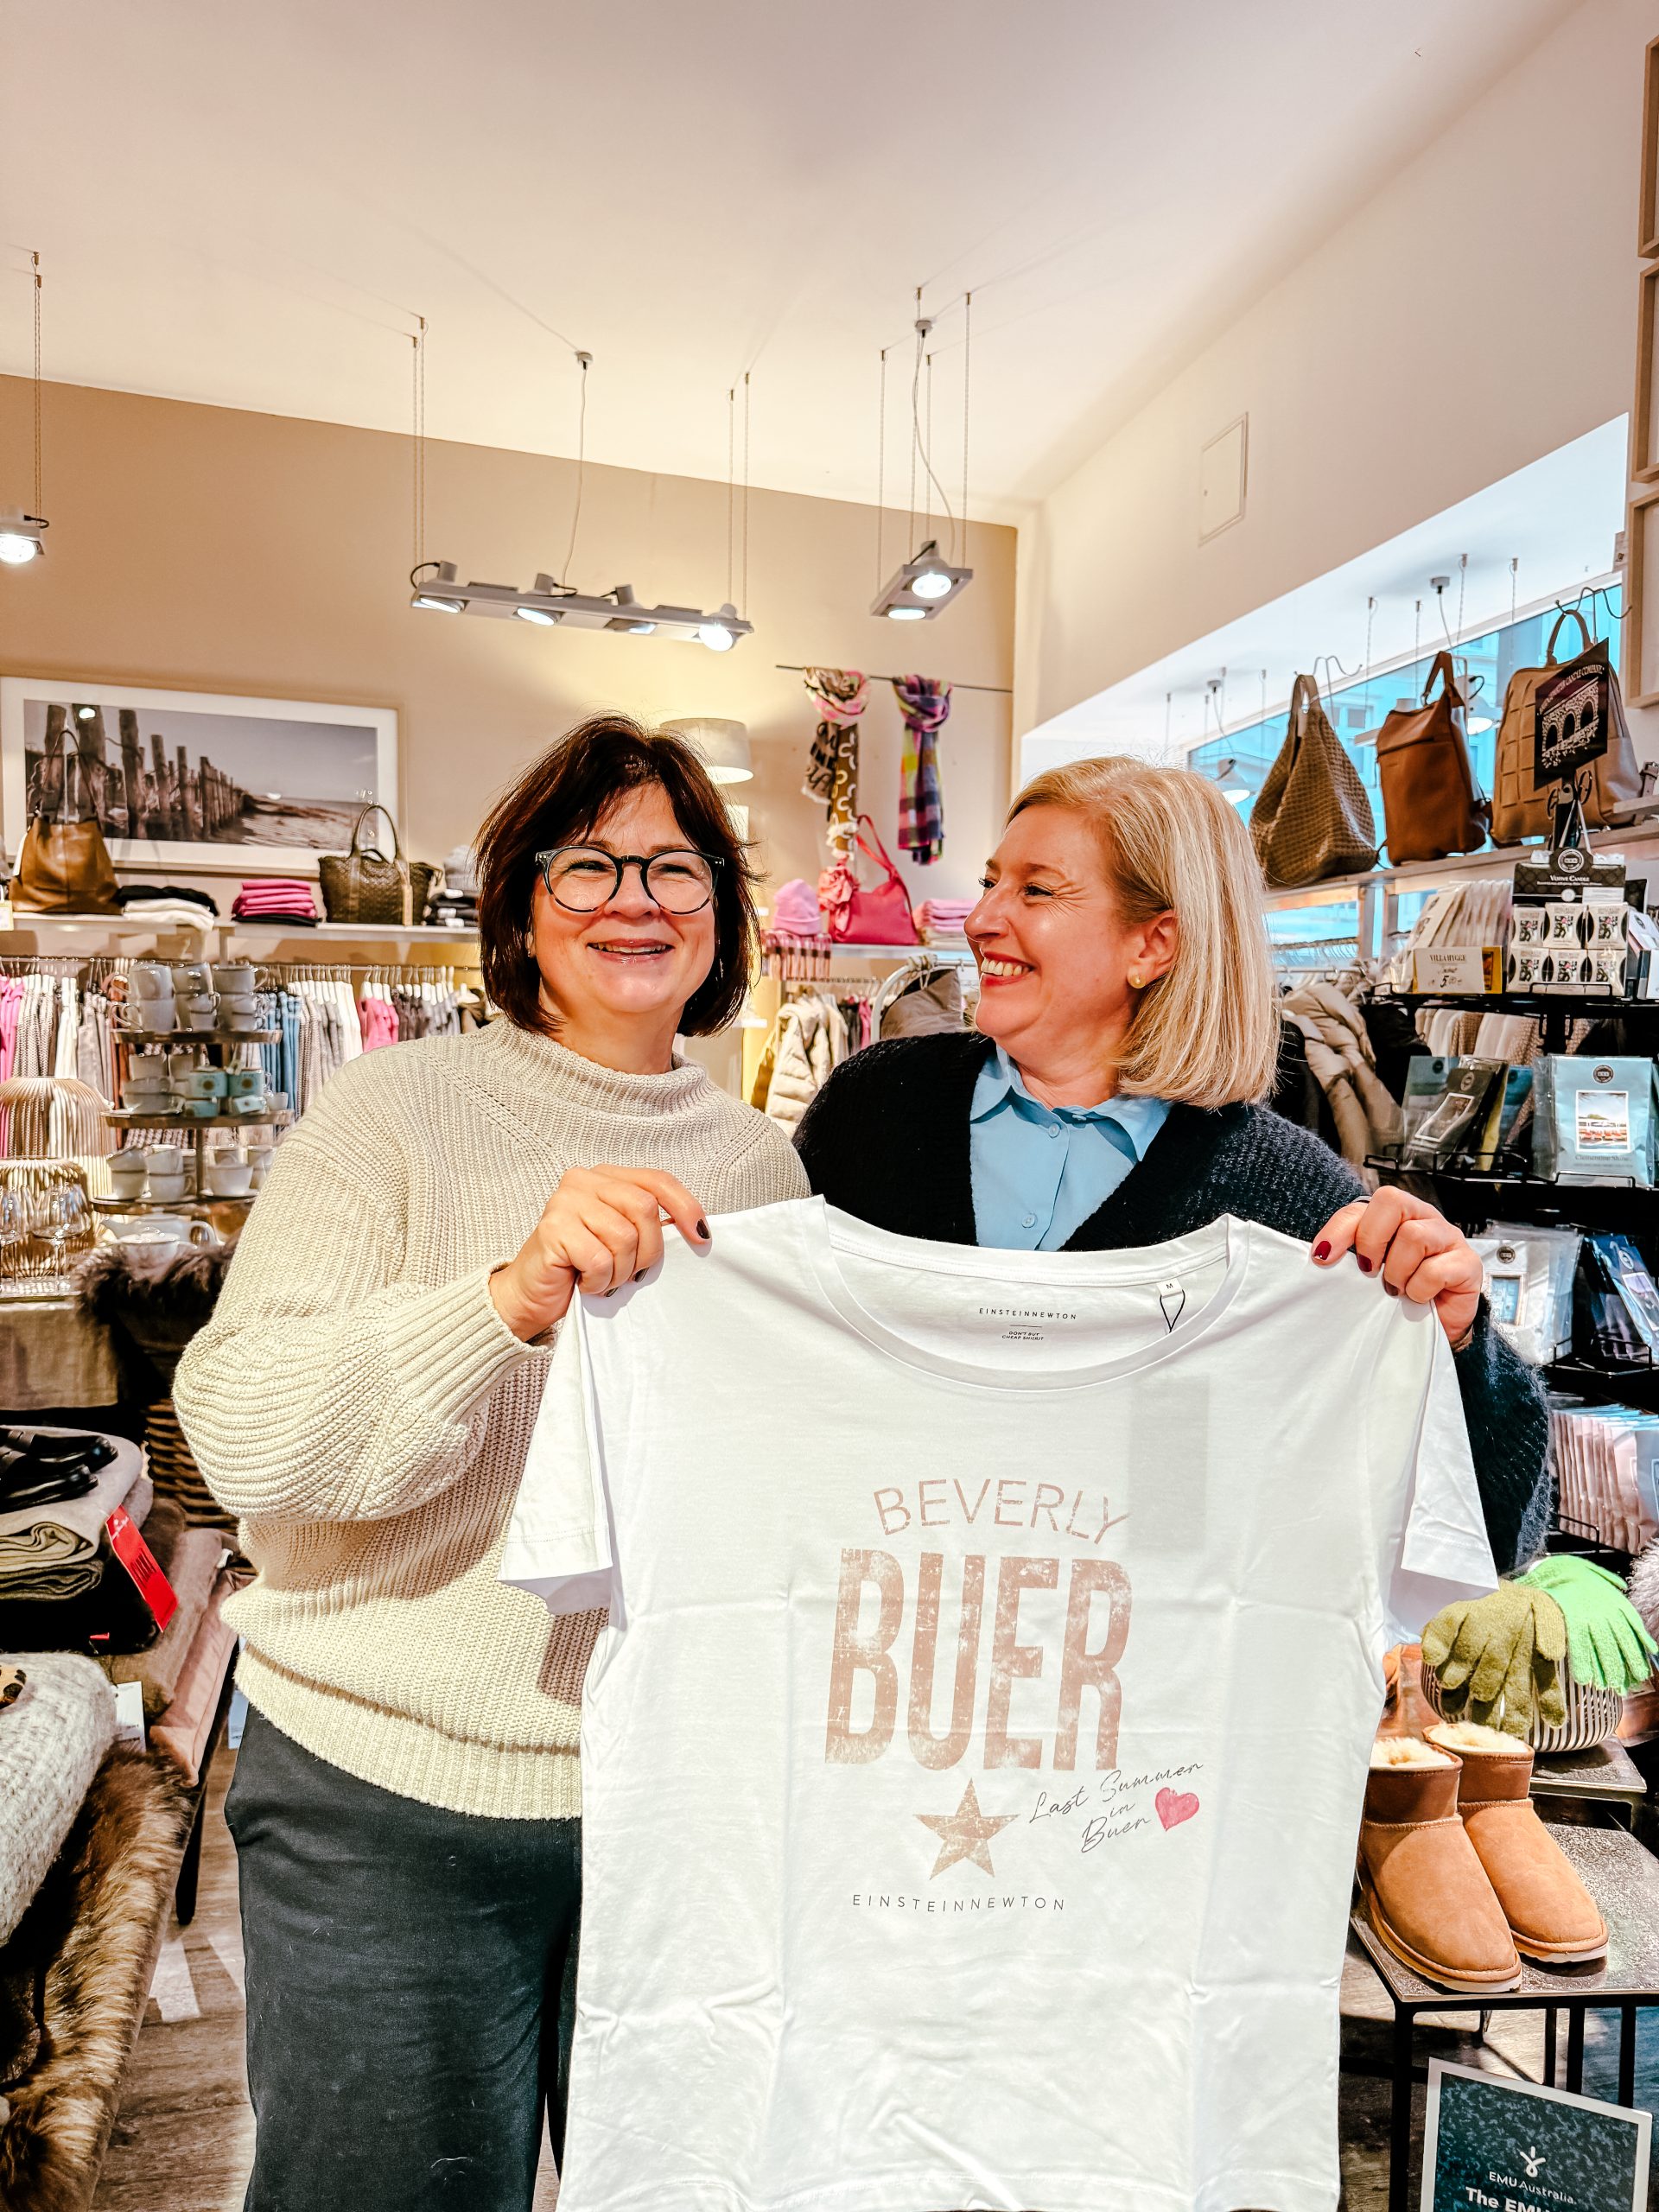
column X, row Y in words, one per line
column 132, row 771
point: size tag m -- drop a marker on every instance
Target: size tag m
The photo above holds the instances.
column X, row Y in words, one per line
column 1172, row 1299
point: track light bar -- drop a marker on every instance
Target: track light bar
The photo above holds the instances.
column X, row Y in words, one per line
column 922, row 588
column 545, row 605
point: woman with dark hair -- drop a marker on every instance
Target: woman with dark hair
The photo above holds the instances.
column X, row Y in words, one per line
column 406, row 1798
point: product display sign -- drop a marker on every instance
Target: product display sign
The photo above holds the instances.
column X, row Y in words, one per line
column 1572, row 717
column 1512, row 2146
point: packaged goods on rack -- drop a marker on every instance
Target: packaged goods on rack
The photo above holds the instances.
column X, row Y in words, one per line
column 1457, row 943
column 1607, row 1466
column 1528, row 1277
column 1617, row 1309
column 1594, row 1120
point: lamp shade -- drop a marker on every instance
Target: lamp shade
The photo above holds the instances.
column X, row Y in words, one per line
column 722, row 746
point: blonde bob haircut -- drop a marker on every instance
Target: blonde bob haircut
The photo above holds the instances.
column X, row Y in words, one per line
column 1207, row 1032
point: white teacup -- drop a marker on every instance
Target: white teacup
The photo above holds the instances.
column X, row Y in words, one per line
column 152, row 980
column 165, row 1159
column 229, row 1177
column 127, row 1173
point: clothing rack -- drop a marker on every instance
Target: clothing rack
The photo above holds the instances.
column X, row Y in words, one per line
column 799, row 668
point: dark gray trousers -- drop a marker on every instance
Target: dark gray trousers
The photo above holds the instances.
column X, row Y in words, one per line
column 410, row 1989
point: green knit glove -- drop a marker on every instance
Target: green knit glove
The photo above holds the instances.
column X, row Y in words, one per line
column 1498, row 1659
column 1607, row 1642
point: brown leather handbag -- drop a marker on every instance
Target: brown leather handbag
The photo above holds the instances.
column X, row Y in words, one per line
column 64, row 866
column 1520, row 807
column 364, row 886
column 1432, row 805
column 1313, row 818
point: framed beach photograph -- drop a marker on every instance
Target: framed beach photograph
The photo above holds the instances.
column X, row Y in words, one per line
column 192, row 779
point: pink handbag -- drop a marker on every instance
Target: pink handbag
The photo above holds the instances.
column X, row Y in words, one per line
column 856, row 916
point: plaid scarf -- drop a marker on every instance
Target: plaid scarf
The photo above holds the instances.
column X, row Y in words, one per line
column 925, row 703
column 832, row 766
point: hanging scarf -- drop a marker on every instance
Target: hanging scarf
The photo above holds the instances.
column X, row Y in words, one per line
column 832, row 769
column 925, row 703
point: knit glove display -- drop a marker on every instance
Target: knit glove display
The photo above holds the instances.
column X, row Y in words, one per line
column 1607, row 1642
column 1498, row 1659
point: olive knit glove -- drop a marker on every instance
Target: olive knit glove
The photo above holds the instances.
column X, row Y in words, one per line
column 1498, row 1659
column 1607, row 1642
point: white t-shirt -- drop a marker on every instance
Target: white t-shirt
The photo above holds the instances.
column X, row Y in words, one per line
column 973, row 1763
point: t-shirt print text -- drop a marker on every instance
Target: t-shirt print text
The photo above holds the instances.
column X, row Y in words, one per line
column 1022, row 1693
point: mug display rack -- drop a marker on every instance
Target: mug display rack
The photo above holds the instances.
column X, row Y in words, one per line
column 199, row 1197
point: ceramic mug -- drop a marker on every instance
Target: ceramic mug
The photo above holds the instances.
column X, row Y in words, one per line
column 166, row 1158
column 200, row 1021
column 127, row 1173
column 193, row 977
column 205, row 1082
column 234, row 979
column 151, row 981
column 229, row 1177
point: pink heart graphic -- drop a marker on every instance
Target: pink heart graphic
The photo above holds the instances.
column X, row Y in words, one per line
column 1174, row 1806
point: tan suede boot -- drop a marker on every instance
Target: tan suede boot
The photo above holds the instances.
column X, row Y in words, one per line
column 1552, row 1915
column 1426, row 1891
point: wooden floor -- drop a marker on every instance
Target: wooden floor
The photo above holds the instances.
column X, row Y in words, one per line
column 184, row 2138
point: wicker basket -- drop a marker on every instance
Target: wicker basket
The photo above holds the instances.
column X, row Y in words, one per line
column 1592, row 1715
column 173, row 1470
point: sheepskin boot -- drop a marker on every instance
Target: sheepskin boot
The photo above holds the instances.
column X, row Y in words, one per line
column 1551, row 1914
column 1426, row 1891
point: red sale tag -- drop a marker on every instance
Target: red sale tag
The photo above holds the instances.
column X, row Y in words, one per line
column 139, row 1561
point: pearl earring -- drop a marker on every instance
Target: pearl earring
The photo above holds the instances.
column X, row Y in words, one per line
column 1137, row 981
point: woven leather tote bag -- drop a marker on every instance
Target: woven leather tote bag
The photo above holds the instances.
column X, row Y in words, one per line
column 64, row 866
column 1520, row 808
column 1432, row 806
column 1313, row 818
column 364, row 886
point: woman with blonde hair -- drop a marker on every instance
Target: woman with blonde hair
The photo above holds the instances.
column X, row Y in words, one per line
column 1128, row 1035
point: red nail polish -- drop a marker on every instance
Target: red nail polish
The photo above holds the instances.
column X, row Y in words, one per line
column 703, row 1231
column 1321, row 1251
column 1364, row 1264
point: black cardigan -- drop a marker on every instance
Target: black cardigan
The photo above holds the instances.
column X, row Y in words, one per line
column 886, row 1139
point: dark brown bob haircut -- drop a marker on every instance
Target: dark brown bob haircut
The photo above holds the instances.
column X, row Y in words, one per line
column 563, row 799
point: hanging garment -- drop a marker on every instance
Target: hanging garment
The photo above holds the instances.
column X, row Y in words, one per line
column 1339, row 1054
column 925, row 705
column 812, row 1037
column 832, row 766
column 1017, row 1740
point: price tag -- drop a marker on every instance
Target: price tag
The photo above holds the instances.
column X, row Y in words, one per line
column 1512, row 2146
column 139, row 1561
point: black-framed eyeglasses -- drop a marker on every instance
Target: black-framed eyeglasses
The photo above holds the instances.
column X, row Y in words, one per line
column 583, row 878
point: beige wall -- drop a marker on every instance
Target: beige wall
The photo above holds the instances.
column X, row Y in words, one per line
column 202, row 548
column 1476, row 314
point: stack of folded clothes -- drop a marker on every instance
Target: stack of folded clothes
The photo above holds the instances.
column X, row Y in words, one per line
column 452, row 901
column 941, row 920
column 62, row 1587
column 168, row 907
column 276, row 898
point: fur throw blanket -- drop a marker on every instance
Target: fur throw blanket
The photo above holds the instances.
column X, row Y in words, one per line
column 74, row 1978
column 1644, row 1586
column 156, row 1305
column 52, row 1740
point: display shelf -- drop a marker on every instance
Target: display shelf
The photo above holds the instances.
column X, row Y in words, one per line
column 131, row 926
column 127, row 1117
column 1576, row 1005
column 1635, row 1386
column 131, row 1037
column 173, row 1205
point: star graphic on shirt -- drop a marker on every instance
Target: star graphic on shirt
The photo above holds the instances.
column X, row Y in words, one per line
column 965, row 1833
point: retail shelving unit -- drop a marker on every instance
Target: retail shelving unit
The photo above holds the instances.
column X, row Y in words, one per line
column 195, row 1125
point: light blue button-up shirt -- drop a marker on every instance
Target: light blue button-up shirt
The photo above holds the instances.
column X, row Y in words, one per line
column 1039, row 1172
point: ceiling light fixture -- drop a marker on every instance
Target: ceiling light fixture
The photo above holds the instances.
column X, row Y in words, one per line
column 20, row 534
column 927, row 582
column 547, row 605
column 436, row 588
column 1227, row 776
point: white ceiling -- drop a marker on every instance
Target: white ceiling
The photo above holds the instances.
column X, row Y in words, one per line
column 247, row 205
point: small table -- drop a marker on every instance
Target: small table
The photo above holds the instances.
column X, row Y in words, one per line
column 1623, row 1878
column 1605, row 1774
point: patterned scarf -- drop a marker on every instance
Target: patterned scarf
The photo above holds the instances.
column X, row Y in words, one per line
column 925, row 703
column 832, row 768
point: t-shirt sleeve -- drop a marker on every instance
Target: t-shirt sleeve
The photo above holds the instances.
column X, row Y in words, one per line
column 559, row 1541
column 1433, row 1545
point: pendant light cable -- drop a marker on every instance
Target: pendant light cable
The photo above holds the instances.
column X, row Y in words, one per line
column 583, row 360
column 35, row 259
column 967, row 366
column 417, row 442
column 731, row 487
column 880, row 469
column 745, row 493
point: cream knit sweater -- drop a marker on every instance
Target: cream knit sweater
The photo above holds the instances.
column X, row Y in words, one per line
column 359, row 1401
